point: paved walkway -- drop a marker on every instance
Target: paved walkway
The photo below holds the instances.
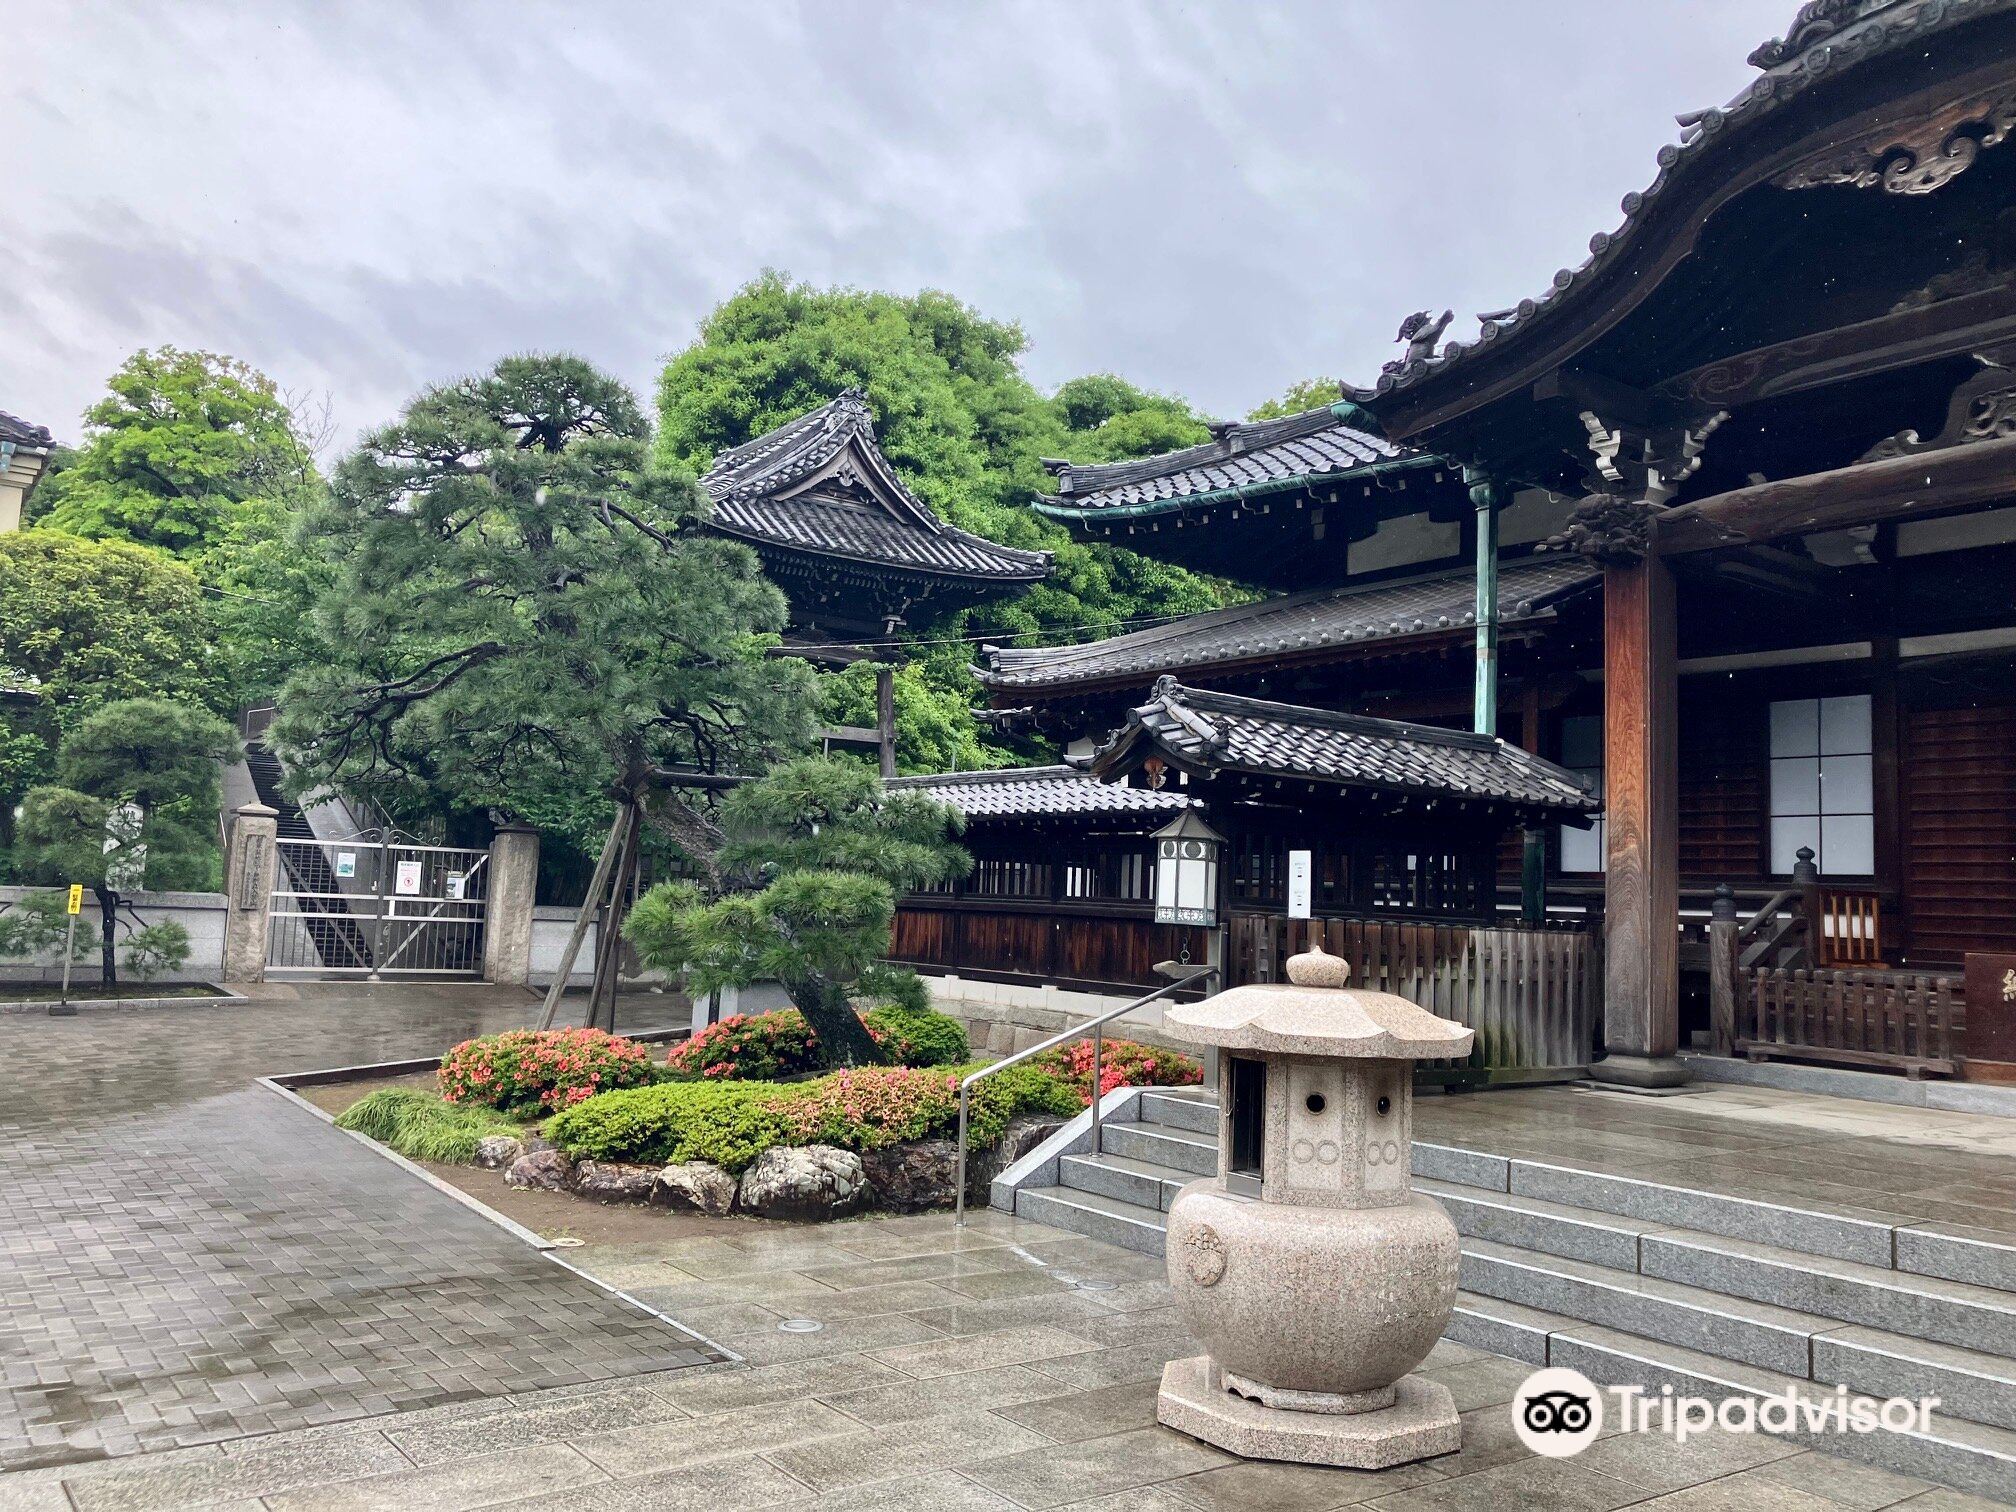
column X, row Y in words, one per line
column 188, row 1258
column 1011, row 1367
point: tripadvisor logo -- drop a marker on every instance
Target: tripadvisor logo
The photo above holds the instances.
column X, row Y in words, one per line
column 1558, row 1412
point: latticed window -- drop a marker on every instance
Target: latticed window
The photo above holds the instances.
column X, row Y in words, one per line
column 1821, row 788
column 1581, row 850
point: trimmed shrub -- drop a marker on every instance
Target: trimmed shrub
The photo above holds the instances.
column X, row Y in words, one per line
column 729, row 1123
column 535, row 1069
column 155, row 948
column 912, row 1038
column 1124, row 1063
column 748, row 1047
column 422, row 1126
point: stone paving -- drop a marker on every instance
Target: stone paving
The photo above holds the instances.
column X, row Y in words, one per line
column 1005, row 1367
column 188, row 1257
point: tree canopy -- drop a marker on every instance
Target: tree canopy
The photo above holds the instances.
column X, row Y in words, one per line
column 1310, row 393
column 524, row 616
column 134, row 804
column 816, row 854
column 967, row 429
column 176, row 452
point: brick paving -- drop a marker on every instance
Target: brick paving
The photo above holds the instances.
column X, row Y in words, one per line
column 955, row 1372
column 188, row 1258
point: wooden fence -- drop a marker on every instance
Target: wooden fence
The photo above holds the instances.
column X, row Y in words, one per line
column 1914, row 1023
column 1092, row 948
column 1532, row 995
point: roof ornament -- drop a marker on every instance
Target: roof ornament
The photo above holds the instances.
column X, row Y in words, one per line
column 1420, row 331
column 1816, row 21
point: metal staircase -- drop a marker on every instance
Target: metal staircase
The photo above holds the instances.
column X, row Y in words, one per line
column 1629, row 1280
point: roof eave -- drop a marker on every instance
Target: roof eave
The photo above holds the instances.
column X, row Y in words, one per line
column 1049, row 506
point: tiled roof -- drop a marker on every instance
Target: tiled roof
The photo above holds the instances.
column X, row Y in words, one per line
column 1035, row 791
column 1325, row 617
column 1256, row 455
column 1214, row 732
column 21, row 433
column 868, row 515
column 1827, row 38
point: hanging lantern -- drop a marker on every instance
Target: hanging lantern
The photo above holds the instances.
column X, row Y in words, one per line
column 1186, row 871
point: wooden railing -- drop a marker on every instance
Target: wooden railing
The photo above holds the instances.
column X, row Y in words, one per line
column 1845, row 925
column 1532, row 995
column 1913, row 1023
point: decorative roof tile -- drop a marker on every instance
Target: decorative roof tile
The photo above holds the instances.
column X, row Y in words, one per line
column 21, row 433
column 1220, row 732
column 1036, row 791
column 792, row 489
column 1261, row 455
column 1298, row 622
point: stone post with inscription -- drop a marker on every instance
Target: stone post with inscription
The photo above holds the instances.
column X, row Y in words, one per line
column 249, row 871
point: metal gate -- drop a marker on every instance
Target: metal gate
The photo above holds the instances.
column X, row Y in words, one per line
column 373, row 908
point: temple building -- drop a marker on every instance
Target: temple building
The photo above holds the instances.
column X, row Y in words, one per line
column 855, row 551
column 1722, row 522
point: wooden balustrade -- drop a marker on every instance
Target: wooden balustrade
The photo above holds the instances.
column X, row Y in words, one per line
column 1910, row 1022
column 1846, row 926
column 1530, row 993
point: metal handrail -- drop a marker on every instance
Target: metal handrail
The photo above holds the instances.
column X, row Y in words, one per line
column 1096, row 1027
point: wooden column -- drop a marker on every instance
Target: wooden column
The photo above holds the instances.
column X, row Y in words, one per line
column 1641, row 690
column 885, row 719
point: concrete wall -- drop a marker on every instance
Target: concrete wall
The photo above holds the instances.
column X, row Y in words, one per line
column 202, row 914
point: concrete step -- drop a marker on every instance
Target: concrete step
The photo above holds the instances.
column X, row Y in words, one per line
column 1548, row 1227
column 1956, row 1252
column 1730, row 1328
column 1505, row 1328
column 1971, row 1385
column 1192, row 1112
column 1124, row 1179
column 1925, row 1307
column 1970, row 1456
column 1160, row 1145
column 1095, row 1216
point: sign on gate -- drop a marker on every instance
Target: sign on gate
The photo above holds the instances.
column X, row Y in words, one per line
column 362, row 908
column 1300, row 868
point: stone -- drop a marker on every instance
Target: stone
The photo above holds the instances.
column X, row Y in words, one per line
column 804, row 1181
column 1421, row 1422
column 1024, row 1132
column 1316, row 967
column 542, row 1170
column 613, row 1181
column 496, row 1151
column 697, row 1185
column 908, row 1177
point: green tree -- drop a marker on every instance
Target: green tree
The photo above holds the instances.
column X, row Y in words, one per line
column 135, row 804
column 523, row 615
column 176, row 451
column 968, row 430
column 816, row 854
column 263, row 587
column 1310, row 393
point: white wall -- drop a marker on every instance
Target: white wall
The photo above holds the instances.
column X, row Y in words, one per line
column 202, row 914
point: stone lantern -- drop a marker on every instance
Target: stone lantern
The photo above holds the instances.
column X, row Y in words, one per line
column 1314, row 1274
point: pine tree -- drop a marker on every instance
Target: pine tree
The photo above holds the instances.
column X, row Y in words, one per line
column 816, row 854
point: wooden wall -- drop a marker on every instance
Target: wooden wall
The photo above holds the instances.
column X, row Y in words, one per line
column 1959, row 831
column 1085, row 948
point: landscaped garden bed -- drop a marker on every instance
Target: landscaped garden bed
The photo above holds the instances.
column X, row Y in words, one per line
column 739, row 1119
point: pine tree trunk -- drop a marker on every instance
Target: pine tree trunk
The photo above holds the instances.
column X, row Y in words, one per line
column 108, row 916
column 843, row 1039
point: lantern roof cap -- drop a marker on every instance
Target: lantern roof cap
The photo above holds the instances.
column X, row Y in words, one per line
column 1283, row 1018
column 1188, row 825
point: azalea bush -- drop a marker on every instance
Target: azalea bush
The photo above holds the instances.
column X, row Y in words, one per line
column 526, row 1070
column 775, row 1046
column 1123, row 1063
column 732, row 1122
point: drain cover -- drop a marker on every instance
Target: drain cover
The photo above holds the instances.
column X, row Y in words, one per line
column 567, row 1242
column 1098, row 1286
column 800, row 1325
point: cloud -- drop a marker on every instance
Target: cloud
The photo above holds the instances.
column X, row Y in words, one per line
column 1216, row 199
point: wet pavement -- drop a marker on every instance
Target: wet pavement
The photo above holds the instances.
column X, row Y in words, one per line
column 188, row 1257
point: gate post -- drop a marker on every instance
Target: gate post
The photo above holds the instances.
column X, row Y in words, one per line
column 507, row 924
column 1722, row 978
column 249, row 872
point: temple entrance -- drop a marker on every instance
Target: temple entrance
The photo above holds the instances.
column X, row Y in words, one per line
column 371, row 908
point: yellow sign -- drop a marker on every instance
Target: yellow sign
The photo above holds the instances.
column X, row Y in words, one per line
column 76, row 897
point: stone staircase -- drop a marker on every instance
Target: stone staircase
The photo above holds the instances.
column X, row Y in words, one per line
column 1628, row 1280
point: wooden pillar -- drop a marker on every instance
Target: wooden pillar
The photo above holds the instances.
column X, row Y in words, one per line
column 1484, row 694
column 1641, row 691
column 1723, row 924
column 1886, row 772
column 885, row 718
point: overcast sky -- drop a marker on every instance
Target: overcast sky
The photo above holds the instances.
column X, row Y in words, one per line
column 1210, row 198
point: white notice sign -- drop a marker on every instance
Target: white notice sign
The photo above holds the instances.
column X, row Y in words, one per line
column 1299, row 869
column 451, row 884
column 346, row 863
column 407, row 883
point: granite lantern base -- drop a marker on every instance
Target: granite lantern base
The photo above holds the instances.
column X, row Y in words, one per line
column 1315, row 1275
